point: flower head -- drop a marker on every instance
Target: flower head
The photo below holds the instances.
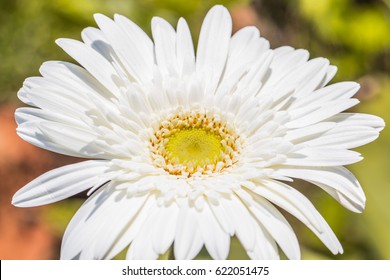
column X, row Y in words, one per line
column 189, row 149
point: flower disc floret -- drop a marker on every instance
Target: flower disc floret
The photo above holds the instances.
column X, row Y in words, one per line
column 193, row 143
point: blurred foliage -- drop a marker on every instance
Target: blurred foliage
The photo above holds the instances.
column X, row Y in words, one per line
column 353, row 34
column 28, row 28
column 374, row 176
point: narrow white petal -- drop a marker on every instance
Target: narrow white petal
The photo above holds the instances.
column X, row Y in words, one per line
column 309, row 132
column 355, row 119
column 286, row 59
column 308, row 74
column 184, row 49
column 99, row 223
column 344, row 137
column 213, row 47
column 188, row 240
column 92, row 36
column 116, row 218
column 265, row 247
column 330, row 73
column 135, row 59
column 142, row 246
column 322, row 157
column 56, row 100
column 216, row 240
column 312, row 82
column 131, row 230
column 95, row 38
column 28, row 114
column 141, row 249
column 289, row 199
column 338, row 91
column 164, row 37
column 274, row 222
column 337, row 181
column 79, row 232
column 246, row 48
column 243, row 222
column 253, row 80
column 30, row 131
column 61, row 183
column 92, row 61
column 298, row 205
column 164, row 228
column 76, row 139
column 220, row 214
column 74, row 78
column 315, row 115
column 140, row 40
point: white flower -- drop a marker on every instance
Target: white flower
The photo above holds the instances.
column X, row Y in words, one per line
column 191, row 150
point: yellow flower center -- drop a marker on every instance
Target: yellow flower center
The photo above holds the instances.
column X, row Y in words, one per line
column 190, row 144
column 194, row 147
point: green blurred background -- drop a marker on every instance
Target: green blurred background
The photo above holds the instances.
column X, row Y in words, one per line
column 353, row 34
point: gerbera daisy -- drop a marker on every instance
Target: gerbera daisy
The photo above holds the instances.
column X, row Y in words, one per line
column 189, row 150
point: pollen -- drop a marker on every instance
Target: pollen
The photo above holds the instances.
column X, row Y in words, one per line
column 194, row 144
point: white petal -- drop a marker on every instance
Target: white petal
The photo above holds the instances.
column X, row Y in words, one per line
column 30, row 131
column 274, row 222
column 338, row 91
column 286, row 59
column 61, row 183
column 252, row 82
column 312, row 115
column 74, row 78
column 84, row 223
column 308, row 132
column 99, row 223
column 298, row 205
column 337, row 181
column 74, row 138
column 188, row 240
column 216, row 240
column 164, row 37
column 118, row 217
column 220, row 214
column 92, row 61
column 246, row 47
column 243, row 222
column 142, row 246
column 308, row 74
column 135, row 59
column 35, row 115
column 131, row 230
column 213, row 47
column 140, row 40
column 95, row 38
column 56, row 100
column 312, row 82
column 164, row 228
column 322, row 157
column 330, row 73
column 344, row 137
column 355, row 119
column 184, row 49
column 255, row 239
column 300, row 82
column 265, row 247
